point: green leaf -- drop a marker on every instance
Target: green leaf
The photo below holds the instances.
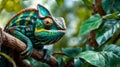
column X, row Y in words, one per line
column 71, row 52
column 88, row 47
column 36, row 63
column 107, row 30
column 60, row 62
column 111, row 6
column 112, row 55
column 92, row 23
column 112, row 48
column 93, row 58
column 77, row 63
column 106, row 58
column 114, row 15
column 60, row 2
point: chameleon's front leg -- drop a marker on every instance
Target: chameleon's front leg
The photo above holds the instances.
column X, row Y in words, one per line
column 15, row 32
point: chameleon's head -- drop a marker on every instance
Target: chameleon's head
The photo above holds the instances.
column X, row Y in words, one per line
column 48, row 29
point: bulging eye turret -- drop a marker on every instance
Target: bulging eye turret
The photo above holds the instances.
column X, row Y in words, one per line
column 48, row 22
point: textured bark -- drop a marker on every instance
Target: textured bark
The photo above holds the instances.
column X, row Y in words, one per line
column 14, row 43
column 98, row 7
column 91, row 40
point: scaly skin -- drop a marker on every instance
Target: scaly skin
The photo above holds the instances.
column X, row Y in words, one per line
column 36, row 27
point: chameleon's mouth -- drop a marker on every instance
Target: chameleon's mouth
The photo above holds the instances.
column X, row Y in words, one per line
column 50, row 36
column 56, row 36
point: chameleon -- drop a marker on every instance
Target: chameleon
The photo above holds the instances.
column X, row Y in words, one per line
column 36, row 27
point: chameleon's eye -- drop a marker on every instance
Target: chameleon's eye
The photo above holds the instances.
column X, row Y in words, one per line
column 48, row 22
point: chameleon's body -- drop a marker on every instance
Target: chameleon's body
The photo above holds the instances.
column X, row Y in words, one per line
column 35, row 27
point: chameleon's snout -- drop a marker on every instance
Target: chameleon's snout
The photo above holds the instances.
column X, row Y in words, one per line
column 61, row 23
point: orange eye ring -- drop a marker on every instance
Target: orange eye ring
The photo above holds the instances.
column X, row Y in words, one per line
column 48, row 22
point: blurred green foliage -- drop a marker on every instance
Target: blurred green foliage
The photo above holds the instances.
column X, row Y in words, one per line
column 108, row 8
column 75, row 13
column 10, row 5
column 60, row 2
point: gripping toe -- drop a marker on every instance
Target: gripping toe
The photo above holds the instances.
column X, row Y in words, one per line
column 26, row 53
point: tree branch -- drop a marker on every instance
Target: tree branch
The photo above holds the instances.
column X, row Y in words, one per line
column 98, row 7
column 14, row 43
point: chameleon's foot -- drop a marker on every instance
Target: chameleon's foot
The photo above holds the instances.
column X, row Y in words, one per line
column 47, row 54
column 26, row 53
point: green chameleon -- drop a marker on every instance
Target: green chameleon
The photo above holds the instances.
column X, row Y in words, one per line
column 36, row 28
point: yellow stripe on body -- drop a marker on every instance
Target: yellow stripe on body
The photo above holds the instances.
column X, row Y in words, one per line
column 39, row 30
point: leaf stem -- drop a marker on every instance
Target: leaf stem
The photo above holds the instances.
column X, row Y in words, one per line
column 8, row 58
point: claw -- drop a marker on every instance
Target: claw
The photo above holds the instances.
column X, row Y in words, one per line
column 26, row 53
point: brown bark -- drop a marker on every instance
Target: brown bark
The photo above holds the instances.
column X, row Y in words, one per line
column 14, row 43
column 98, row 7
column 92, row 41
